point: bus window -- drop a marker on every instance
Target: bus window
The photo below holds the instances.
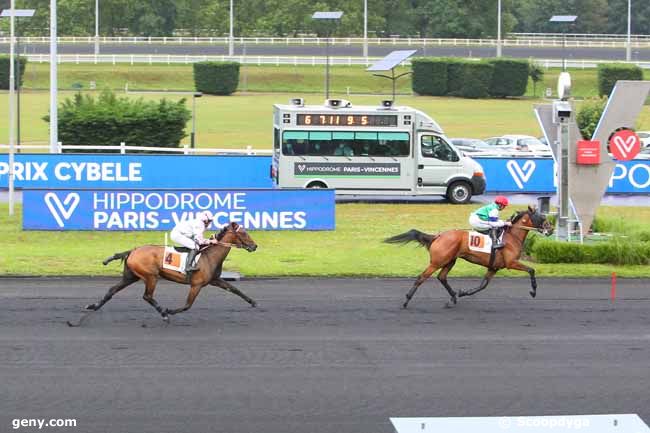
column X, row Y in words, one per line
column 366, row 143
column 394, row 143
column 343, row 144
column 435, row 147
column 294, row 143
column 320, row 143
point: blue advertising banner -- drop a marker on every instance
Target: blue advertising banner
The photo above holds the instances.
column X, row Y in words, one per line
column 127, row 210
column 99, row 171
column 536, row 175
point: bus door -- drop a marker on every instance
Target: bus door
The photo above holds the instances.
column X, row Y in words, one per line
column 437, row 162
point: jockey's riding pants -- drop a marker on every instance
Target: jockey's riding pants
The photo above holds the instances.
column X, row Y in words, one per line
column 479, row 224
column 183, row 240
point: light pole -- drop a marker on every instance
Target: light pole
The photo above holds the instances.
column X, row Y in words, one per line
column 54, row 114
column 96, row 27
column 499, row 28
column 13, row 13
column 193, row 133
column 365, row 29
column 327, row 17
column 628, row 46
column 568, row 20
column 231, row 37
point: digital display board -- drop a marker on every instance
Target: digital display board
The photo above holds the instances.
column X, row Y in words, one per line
column 347, row 119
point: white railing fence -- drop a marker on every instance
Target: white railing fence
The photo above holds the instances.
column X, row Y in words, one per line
column 513, row 40
column 124, row 149
column 151, row 59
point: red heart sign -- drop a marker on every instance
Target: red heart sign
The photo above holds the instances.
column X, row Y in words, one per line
column 625, row 145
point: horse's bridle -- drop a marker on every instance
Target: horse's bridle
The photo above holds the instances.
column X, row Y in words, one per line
column 228, row 244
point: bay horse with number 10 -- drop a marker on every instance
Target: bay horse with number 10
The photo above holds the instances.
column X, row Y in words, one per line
column 446, row 247
column 146, row 263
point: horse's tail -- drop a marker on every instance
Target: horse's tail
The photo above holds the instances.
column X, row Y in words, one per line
column 123, row 256
column 412, row 235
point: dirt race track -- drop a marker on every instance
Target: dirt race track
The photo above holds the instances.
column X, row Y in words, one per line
column 319, row 355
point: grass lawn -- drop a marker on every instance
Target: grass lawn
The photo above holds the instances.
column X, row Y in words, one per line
column 245, row 119
column 353, row 249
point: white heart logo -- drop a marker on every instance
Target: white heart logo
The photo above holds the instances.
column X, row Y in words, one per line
column 521, row 174
column 624, row 145
column 61, row 210
column 302, row 167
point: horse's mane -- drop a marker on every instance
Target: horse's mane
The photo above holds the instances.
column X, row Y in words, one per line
column 517, row 216
column 222, row 233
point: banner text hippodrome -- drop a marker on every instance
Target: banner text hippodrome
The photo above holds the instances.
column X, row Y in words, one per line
column 168, row 201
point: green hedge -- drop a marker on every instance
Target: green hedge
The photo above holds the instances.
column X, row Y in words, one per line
column 429, row 76
column 610, row 73
column 108, row 120
column 589, row 116
column 616, row 252
column 455, row 70
column 477, row 77
column 510, row 77
column 216, row 78
column 4, row 71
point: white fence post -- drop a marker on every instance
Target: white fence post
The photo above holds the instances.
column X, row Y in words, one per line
column 122, row 147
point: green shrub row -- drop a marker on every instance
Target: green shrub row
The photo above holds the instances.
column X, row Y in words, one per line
column 616, row 252
column 108, row 120
column 440, row 76
column 610, row 73
column 5, row 63
column 216, row 78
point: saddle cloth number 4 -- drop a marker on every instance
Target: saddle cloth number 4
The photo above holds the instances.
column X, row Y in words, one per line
column 176, row 261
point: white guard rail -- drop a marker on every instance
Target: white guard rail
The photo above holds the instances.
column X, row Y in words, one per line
column 123, row 148
column 514, row 40
column 273, row 60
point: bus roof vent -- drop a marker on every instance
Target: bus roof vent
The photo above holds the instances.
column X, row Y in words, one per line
column 337, row 103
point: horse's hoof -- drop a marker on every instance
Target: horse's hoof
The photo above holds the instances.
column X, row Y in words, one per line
column 253, row 304
column 91, row 307
column 449, row 304
column 533, row 294
column 454, row 299
column 165, row 318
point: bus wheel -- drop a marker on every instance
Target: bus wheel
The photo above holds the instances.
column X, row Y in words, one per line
column 316, row 185
column 459, row 192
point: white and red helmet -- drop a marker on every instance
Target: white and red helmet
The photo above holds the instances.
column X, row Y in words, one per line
column 205, row 216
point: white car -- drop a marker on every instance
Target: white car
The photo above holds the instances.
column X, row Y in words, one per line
column 520, row 143
column 644, row 136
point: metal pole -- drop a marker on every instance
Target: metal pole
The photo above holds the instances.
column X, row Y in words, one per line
column 365, row 29
column 563, row 174
column 628, row 46
column 192, row 135
column 96, row 27
column 231, row 39
column 17, row 93
column 54, row 118
column 564, row 51
column 499, row 29
column 327, row 67
column 12, row 83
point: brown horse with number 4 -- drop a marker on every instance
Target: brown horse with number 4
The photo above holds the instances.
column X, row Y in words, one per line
column 146, row 263
column 446, row 247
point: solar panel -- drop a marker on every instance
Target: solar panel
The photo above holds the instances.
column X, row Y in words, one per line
column 391, row 60
column 327, row 15
column 563, row 18
column 18, row 13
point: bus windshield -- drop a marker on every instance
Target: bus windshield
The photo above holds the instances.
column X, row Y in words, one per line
column 343, row 143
